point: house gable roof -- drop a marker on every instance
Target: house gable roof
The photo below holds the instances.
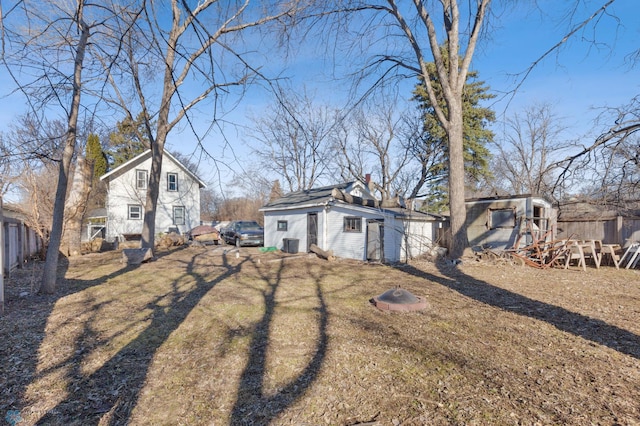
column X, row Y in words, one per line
column 139, row 159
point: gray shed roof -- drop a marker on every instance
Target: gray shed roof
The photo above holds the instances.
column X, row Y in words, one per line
column 400, row 212
column 329, row 194
column 309, row 197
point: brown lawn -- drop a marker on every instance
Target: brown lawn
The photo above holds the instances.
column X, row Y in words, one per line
column 202, row 337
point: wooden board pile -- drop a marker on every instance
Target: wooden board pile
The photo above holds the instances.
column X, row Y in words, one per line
column 542, row 253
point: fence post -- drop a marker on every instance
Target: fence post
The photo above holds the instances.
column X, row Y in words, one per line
column 21, row 247
column 619, row 236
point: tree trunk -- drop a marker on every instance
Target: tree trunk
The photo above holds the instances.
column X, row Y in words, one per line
column 50, row 272
column 149, row 225
column 458, row 210
column 76, row 207
column 157, row 146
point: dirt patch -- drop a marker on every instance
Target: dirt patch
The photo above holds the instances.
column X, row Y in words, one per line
column 217, row 336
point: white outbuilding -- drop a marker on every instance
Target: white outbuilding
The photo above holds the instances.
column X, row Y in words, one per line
column 348, row 220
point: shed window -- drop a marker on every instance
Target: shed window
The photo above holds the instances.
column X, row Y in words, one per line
column 172, row 181
column 283, row 225
column 135, row 212
column 502, row 218
column 352, row 224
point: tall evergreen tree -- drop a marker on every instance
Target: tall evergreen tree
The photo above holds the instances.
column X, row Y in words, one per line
column 98, row 164
column 96, row 156
column 434, row 139
column 129, row 140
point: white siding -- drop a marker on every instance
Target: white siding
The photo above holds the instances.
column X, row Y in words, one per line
column 296, row 227
column 406, row 239
column 350, row 245
column 123, row 192
column 402, row 238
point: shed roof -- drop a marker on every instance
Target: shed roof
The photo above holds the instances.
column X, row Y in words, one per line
column 313, row 197
column 403, row 213
column 341, row 193
column 507, row 197
column 586, row 211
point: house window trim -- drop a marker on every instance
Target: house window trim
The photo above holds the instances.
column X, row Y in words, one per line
column 513, row 220
column 144, row 180
column 282, row 225
column 354, row 220
column 130, row 216
column 169, row 188
column 184, row 219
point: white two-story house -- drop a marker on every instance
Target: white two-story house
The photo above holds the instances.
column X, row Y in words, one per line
column 178, row 206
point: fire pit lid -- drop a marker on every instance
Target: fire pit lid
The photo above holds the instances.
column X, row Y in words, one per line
column 399, row 299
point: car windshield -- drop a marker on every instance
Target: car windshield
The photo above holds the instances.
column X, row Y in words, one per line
column 250, row 226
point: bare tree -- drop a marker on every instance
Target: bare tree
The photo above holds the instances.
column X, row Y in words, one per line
column 35, row 149
column 418, row 32
column 612, row 160
column 374, row 146
column 293, row 139
column 526, row 162
column 200, row 42
column 426, row 174
column 246, row 208
column 398, row 40
column 8, row 172
column 46, row 37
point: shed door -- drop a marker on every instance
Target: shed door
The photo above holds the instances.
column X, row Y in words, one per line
column 312, row 230
column 375, row 236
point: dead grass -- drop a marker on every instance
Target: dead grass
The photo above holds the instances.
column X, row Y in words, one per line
column 202, row 337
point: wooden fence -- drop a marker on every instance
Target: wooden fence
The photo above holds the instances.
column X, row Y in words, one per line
column 618, row 230
column 18, row 243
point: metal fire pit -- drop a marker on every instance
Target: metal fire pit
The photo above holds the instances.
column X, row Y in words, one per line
column 399, row 299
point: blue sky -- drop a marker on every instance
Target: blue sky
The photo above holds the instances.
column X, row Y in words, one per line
column 576, row 80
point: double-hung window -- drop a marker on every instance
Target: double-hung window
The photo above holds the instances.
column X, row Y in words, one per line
column 178, row 215
column 172, row 181
column 134, row 212
column 141, row 179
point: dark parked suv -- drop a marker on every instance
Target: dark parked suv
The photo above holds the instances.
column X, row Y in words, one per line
column 243, row 233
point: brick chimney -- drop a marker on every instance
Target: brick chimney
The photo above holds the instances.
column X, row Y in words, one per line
column 368, row 182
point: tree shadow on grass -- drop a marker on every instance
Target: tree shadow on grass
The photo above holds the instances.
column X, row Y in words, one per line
column 22, row 328
column 580, row 325
column 253, row 406
column 109, row 395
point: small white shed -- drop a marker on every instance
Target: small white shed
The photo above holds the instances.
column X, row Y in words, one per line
column 349, row 221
